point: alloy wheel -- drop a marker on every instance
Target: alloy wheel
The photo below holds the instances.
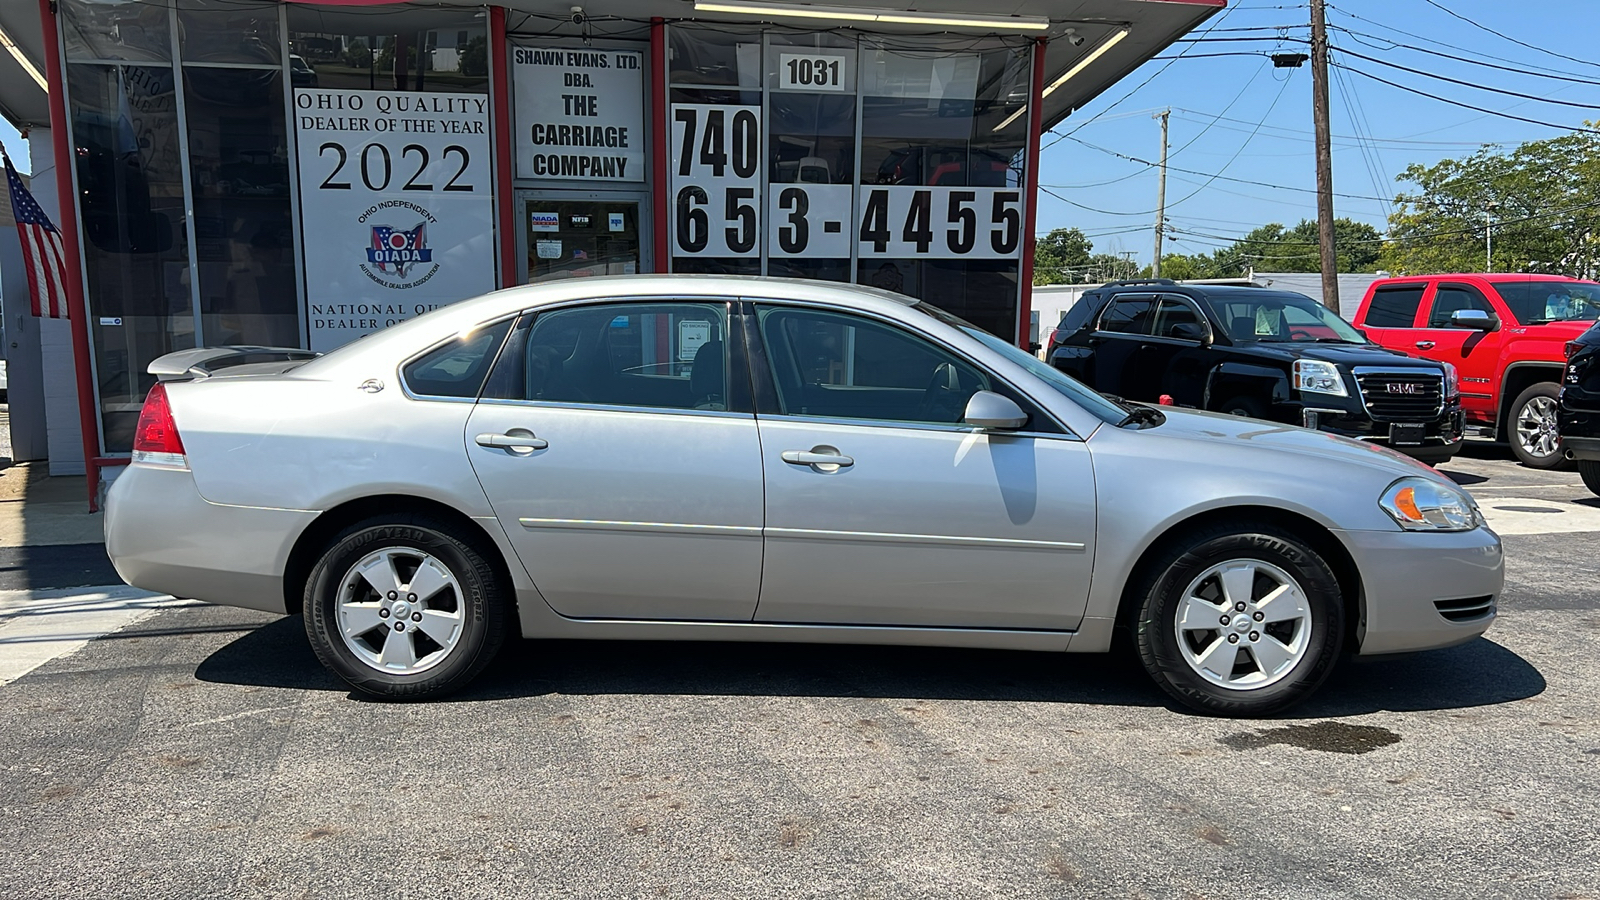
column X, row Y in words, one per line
column 1536, row 427
column 400, row 610
column 1243, row 624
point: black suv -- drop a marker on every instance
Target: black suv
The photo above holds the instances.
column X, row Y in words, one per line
column 1578, row 416
column 1261, row 353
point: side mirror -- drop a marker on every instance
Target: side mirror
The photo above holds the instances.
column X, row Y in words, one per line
column 1475, row 319
column 1190, row 331
column 987, row 409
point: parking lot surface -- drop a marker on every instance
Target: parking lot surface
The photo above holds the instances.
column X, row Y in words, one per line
column 202, row 751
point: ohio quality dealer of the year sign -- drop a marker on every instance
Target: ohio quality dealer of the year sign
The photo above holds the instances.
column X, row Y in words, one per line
column 396, row 206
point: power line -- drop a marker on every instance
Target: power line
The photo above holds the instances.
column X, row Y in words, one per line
column 1481, row 27
column 1481, row 87
column 1393, row 44
column 1504, row 115
column 1430, row 40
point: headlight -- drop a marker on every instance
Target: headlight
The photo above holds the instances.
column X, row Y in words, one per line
column 1420, row 504
column 1317, row 377
column 1452, row 382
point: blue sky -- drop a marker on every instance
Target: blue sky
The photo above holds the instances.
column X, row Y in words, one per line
column 1236, row 117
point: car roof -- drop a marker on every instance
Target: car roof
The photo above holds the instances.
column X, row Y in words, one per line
column 446, row 321
column 1458, row 276
column 1222, row 292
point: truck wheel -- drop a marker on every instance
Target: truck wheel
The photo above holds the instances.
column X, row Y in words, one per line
column 1532, row 428
column 1239, row 620
column 1590, row 470
column 1245, row 407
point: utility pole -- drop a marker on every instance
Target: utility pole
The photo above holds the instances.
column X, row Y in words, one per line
column 1319, row 117
column 1488, row 235
column 1161, row 194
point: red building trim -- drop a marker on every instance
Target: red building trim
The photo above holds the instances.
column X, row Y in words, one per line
column 77, row 309
column 658, row 156
column 1030, row 175
column 500, row 124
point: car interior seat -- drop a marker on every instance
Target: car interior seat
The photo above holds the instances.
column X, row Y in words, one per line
column 707, row 377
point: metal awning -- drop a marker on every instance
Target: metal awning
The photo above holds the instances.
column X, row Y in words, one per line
column 23, row 102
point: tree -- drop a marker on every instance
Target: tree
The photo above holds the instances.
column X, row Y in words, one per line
column 1061, row 257
column 1273, row 248
column 1543, row 197
column 475, row 57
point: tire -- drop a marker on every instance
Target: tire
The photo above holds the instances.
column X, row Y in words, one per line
column 1278, row 659
column 1245, row 407
column 1531, row 427
column 1590, row 470
column 405, row 645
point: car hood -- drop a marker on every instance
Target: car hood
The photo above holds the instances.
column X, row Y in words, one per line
column 1347, row 354
column 1236, row 433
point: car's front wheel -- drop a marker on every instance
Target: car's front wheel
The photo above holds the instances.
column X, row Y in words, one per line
column 1240, row 621
column 1590, row 470
column 1535, row 440
column 404, row 608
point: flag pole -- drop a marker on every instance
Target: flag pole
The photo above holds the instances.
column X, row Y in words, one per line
column 77, row 316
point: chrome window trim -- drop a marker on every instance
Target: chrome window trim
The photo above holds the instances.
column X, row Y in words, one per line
column 1043, row 408
column 914, row 426
column 613, row 407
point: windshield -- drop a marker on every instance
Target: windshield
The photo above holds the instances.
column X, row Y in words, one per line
column 1075, row 390
column 1283, row 318
column 1538, row 302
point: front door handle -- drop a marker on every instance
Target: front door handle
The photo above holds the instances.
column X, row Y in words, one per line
column 817, row 456
column 1424, row 345
column 518, row 440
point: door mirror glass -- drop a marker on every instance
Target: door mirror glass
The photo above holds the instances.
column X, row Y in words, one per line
column 987, row 409
column 1475, row 319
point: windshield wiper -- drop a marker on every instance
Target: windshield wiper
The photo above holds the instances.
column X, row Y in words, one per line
column 1143, row 415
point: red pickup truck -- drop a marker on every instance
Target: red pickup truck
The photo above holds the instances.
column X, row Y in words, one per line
column 1505, row 334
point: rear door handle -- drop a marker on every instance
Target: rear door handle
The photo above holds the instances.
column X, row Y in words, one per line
column 1424, row 345
column 814, row 458
column 518, row 440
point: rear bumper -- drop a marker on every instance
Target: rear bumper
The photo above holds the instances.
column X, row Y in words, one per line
column 163, row 536
column 1424, row 591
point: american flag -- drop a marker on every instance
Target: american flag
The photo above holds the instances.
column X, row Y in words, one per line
column 42, row 252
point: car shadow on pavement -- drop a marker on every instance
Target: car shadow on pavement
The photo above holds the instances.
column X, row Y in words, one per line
column 1479, row 673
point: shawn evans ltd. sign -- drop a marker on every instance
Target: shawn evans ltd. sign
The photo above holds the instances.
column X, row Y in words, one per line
column 396, row 206
column 579, row 114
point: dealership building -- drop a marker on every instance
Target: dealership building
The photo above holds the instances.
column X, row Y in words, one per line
column 301, row 174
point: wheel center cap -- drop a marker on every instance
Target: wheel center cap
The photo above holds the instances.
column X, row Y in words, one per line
column 1242, row 623
column 401, row 609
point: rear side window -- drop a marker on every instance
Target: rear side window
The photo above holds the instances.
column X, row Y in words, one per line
column 1131, row 316
column 1074, row 318
column 458, row 368
column 1451, row 298
column 1395, row 307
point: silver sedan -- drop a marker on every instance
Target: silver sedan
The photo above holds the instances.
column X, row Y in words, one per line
column 731, row 459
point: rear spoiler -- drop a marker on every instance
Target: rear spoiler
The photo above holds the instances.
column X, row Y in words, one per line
column 203, row 361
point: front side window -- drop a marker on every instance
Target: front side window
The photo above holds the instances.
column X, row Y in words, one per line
column 457, row 369
column 838, row 366
column 1395, row 307
column 653, row 355
column 1450, row 299
column 1176, row 318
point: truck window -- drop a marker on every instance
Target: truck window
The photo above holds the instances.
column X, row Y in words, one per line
column 1130, row 316
column 1394, row 307
column 1452, row 297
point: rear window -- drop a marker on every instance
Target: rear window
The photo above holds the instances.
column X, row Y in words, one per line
column 457, row 369
column 1394, row 307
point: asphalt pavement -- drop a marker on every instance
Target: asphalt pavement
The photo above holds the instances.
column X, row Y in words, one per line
column 201, row 751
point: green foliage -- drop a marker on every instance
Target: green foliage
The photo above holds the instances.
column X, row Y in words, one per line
column 358, row 55
column 475, row 57
column 1544, row 198
column 1066, row 256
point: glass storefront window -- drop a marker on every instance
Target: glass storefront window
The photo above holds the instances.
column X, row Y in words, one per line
column 229, row 31
column 131, row 210
column 131, row 30
column 811, row 154
column 244, row 234
column 703, row 57
column 403, row 48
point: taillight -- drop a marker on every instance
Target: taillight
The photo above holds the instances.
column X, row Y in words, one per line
column 156, row 440
column 1573, row 347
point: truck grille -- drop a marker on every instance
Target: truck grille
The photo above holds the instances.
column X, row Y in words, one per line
column 1401, row 396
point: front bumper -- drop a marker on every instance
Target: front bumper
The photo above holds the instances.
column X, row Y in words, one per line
column 1422, row 591
column 1442, row 434
column 163, row 536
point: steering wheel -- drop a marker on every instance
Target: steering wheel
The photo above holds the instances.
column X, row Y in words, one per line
column 1302, row 333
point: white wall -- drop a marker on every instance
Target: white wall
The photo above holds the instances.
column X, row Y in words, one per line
column 64, row 439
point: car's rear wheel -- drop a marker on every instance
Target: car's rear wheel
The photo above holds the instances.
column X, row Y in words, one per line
column 1590, row 470
column 1241, row 622
column 1532, row 429
column 404, row 608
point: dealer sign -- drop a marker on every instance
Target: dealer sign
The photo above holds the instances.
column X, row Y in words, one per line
column 579, row 113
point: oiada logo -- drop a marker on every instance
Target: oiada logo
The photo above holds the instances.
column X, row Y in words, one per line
column 400, row 258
